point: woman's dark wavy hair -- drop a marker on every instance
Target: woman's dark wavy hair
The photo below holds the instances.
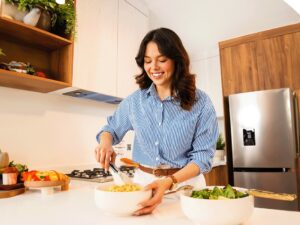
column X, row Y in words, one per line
column 183, row 87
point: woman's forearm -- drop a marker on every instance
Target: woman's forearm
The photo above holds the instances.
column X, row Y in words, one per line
column 106, row 138
column 189, row 171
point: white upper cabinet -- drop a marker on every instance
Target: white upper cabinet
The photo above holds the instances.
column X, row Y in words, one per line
column 208, row 79
column 132, row 27
column 108, row 37
column 95, row 51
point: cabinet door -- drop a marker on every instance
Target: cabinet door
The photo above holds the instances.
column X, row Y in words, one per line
column 95, row 53
column 279, row 61
column 217, row 176
column 132, row 27
column 239, row 69
column 208, row 79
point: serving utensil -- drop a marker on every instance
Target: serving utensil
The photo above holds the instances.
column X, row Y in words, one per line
column 130, row 162
column 271, row 195
column 119, row 177
column 182, row 188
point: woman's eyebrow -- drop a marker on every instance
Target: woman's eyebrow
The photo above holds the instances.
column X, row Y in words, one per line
column 155, row 57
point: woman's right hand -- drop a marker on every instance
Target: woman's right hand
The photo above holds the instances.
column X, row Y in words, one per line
column 104, row 152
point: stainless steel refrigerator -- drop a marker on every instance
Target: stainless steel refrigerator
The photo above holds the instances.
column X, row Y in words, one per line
column 264, row 138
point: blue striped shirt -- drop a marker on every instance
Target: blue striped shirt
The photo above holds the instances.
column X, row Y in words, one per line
column 164, row 132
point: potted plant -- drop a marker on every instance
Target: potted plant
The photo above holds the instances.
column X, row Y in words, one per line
column 220, row 148
column 62, row 16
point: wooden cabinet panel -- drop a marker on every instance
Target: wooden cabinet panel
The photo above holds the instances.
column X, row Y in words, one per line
column 298, row 179
column 295, row 61
column 279, row 61
column 217, row 176
column 239, row 69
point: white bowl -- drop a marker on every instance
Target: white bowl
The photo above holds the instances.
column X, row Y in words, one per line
column 217, row 212
column 119, row 203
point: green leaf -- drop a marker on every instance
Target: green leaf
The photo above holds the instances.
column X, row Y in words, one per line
column 220, row 142
column 228, row 191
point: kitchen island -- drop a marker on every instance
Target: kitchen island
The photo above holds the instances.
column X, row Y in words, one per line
column 77, row 207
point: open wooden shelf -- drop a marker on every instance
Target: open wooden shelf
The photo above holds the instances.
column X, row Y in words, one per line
column 31, row 35
column 29, row 82
column 46, row 52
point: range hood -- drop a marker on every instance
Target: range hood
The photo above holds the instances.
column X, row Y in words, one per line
column 81, row 93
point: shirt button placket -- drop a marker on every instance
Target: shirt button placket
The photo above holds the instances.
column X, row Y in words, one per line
column 160, row 114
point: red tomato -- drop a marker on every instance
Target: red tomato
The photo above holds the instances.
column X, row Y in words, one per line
column 41, row 74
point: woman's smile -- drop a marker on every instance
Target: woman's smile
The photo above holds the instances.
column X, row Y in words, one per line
column 158, row 67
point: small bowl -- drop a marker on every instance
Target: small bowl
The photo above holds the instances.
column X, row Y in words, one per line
column 119, row 203
column 217, row 212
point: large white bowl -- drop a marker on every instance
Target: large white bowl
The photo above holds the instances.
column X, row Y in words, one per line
column 119, row 203
column 217, row 212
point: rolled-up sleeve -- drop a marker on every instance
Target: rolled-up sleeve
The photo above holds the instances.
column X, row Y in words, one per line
column 119, row 123
column 205, row 137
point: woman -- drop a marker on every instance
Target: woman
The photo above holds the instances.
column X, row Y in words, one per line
column 175, row 124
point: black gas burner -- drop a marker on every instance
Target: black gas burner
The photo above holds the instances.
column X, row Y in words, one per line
column 90, row 174
column 99, row 174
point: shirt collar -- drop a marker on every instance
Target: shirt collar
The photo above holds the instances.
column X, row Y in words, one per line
column 151, row 91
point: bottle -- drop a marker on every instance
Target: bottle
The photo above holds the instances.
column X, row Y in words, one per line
column 4, row 159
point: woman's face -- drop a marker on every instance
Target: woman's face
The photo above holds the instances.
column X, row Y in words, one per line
column 158, row 67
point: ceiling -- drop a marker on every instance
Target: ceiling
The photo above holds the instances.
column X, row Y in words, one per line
column 201, row 24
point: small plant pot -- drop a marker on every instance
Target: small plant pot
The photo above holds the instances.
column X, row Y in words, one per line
column 44, row 20
column 219, row 155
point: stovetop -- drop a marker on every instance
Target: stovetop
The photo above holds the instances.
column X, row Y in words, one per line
column 99, row 174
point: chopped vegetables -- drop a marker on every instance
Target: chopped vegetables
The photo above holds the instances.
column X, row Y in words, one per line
column 219, row 193
column 20, row 167
column 50, row 175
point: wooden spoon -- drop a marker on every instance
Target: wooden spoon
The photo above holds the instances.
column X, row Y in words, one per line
column 271, row 195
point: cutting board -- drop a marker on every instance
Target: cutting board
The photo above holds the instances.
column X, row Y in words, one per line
column 11, row 193
column 11, row 186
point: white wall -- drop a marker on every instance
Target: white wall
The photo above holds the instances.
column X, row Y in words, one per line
column 49, row 131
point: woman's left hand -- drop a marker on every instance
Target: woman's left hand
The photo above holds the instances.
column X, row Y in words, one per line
column 158, row 188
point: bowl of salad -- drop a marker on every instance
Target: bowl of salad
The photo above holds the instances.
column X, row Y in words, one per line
column 217, row 205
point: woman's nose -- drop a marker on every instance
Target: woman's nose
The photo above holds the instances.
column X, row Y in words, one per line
column 154, row 64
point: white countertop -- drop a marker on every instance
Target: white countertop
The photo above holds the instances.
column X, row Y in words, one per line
column 76, row 207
